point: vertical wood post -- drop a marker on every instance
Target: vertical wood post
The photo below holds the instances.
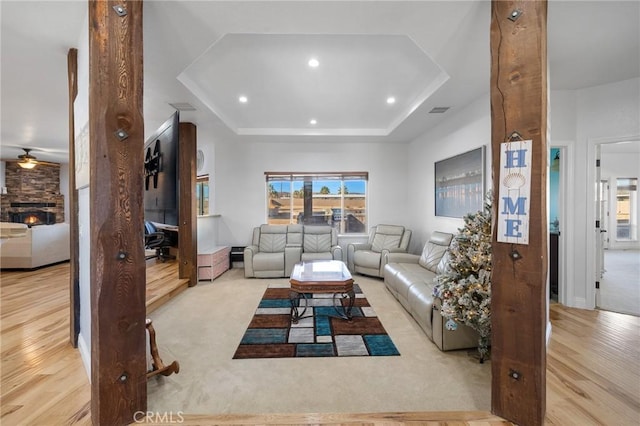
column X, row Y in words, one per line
column 187, row 230
column 72, row 200
column 519, row 296
column 116, row 131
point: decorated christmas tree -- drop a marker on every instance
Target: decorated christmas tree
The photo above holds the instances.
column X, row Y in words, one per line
column 465, row 289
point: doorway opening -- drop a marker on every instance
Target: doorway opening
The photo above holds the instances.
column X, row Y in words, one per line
column 618, row 247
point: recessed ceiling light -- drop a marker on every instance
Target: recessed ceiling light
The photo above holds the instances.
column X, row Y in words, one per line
column 243, row 99
column 313, row 63
column 391, row 100
column 313, row 121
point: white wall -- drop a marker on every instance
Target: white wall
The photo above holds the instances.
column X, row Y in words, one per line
column 465, row 129
column 81, row 108
column 605, row 113
column 240, row 191
column 578, row 120
column 84, row 253
column 3, row 168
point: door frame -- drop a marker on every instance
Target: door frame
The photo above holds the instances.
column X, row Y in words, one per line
column 565, row 210
column 591, row 249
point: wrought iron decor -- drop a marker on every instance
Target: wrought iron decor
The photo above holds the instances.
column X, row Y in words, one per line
column 152, row 165
column 460, row 183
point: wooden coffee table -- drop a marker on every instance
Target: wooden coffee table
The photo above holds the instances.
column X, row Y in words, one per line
column 324, row 277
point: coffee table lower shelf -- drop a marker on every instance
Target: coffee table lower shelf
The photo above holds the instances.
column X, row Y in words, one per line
column 342, row 311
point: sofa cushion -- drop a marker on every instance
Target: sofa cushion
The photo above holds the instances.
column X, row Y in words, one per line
column 434, row 250
column 367, row 259
column 317, row 239
column 443, row 266
column 294, row 234
column 273, row 238
column 387, row 237
column 316, row 256
column 268, row 261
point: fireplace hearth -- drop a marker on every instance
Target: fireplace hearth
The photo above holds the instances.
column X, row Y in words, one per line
column 32, row 218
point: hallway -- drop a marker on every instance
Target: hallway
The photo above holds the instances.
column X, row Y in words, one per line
column 620, row 283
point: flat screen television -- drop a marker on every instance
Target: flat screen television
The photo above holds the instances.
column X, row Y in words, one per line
column 161, row 173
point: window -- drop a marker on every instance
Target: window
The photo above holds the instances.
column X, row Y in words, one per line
column 336, row 199
column 202, row 195
column 626, row 212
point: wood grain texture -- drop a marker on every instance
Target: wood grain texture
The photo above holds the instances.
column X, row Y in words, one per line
column 593, row 368
column 118, row 351
column 72, row 199
column 519, row 301
column 188, row 232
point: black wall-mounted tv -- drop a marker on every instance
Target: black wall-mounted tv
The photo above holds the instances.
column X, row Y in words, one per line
column 161, row 173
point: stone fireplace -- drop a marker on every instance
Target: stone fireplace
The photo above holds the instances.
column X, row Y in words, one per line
column 33, row 196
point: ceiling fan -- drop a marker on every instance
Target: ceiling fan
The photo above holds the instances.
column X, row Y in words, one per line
column 27, row 161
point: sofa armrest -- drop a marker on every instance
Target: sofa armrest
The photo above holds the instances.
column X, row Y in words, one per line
column 249, row 251
column 351, row 249
column 360, row 246
column 292, row 255
column 384, row 257
column 336, row 253
column 396, row 250
column 402, row 258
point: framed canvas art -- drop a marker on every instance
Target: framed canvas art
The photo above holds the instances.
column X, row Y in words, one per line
column 460, row 184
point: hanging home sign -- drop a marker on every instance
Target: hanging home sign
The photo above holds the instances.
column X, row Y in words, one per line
column 515, row 188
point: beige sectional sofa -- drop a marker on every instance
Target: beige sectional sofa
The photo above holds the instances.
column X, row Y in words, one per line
column 275, row 249
column 410, row 279
column 42, row 245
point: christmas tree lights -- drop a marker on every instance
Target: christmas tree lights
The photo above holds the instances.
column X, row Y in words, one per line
column 465, row 288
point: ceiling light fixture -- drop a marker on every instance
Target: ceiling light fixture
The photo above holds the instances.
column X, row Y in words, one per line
column 313, row 121
column 27, row 161
column 391, row 100
column 27, row 164
column 243, row 99
column 313, row 63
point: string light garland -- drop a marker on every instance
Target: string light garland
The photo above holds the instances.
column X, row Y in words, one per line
column 465, row 288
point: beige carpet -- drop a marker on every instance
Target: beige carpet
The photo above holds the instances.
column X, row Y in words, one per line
column 201, row 328
column 620, row 284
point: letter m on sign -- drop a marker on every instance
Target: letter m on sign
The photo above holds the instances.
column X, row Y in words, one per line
column 514, row 208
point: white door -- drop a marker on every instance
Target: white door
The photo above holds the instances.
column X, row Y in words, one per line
column 599, row 232
column 604, row 191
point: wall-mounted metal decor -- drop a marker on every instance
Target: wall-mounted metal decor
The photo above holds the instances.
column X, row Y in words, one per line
column 152, row 165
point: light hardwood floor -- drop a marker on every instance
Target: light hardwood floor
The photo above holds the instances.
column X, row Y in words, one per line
column 593, row 366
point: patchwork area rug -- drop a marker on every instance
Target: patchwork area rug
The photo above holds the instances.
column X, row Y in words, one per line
column 272, row 335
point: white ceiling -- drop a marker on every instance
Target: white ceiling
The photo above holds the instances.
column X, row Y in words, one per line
column 345, row 92
column 260, row 49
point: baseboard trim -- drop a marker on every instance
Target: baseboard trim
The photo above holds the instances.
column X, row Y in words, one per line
column 548, row 333
column 85, row 354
